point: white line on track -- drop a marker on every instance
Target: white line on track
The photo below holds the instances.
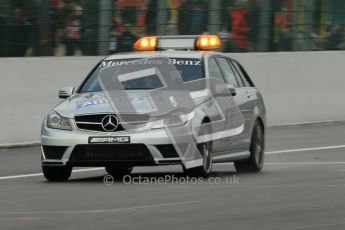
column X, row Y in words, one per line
column 316, row 226
column 341, row 170
column 306, row 163
column 296, row 163
column 104, row 210
column 306, row 149
column 41, row 174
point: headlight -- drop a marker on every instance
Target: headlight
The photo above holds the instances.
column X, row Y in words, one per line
column 55, row 121
column 176, row 119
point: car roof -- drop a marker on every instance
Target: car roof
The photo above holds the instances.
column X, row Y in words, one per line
column 169, row 54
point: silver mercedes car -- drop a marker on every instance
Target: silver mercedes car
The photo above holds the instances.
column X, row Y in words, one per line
column 84, row 131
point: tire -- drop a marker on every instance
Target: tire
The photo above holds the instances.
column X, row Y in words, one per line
column 118, row 171
column 257, row 152
column 57, row 173
column 204, row 170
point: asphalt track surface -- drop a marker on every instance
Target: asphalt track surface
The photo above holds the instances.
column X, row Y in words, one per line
column 301, row 187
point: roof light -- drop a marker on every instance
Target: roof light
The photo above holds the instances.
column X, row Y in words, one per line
column 208, row 42
column 178, row 42
column 146, row 44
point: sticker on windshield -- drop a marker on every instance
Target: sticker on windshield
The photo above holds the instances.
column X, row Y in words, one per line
column 91, row 102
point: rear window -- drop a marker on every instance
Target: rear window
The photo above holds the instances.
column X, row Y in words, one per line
column 189, row 68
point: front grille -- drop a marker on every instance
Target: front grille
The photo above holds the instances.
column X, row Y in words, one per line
column 53, row 152
column 94, row 122
column 97, row 118
column 96, row 127
column 110, row 152
column 167, row 151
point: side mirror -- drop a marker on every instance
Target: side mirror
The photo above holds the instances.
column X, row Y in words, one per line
column 66, row 92
column 232, row 90
column 224, row 91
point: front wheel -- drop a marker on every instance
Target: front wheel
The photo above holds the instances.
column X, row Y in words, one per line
column 257, row 152
column 204, row 170
column 57, row 173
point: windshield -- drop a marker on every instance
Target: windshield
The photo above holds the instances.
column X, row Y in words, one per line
column 189, row 69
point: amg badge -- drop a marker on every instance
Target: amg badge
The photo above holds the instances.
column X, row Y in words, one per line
column 118, row 139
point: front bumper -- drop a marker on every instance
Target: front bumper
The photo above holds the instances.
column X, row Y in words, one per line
column 151, row 147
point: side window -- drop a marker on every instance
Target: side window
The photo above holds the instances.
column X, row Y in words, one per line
column 229, row 73
column 214, row 69
column 241, row 74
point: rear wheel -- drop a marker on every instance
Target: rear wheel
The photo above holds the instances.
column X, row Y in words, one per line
column 118, row 171
column 57, row 173
column 204, row 170
column 257, row 152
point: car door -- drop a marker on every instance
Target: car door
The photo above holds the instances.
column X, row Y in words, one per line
column 238, row 142
column 246, row 100
column 221, row 145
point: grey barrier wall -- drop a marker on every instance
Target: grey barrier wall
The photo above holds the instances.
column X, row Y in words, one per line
column 299, row 87
column 29, row 90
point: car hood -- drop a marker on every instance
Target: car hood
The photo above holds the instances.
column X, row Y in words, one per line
column 97, row 102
